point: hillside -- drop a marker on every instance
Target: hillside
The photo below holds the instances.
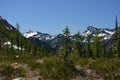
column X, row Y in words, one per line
column 8, row 32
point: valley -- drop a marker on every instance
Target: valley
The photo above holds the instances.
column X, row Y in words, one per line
column 91, row 55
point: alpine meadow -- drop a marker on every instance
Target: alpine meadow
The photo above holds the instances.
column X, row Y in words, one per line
column 51, row 40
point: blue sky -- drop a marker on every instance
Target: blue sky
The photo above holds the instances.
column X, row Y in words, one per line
column 52, row 16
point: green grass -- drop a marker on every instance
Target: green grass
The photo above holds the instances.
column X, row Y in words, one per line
column 9, row 72
column 108, row 68
column 54, row 68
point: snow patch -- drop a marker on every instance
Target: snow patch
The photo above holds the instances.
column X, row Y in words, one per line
column 27, row 35
column 8, row 43
column 11, row 28
column 111, row 33
column 101, row 34
column 87, row 33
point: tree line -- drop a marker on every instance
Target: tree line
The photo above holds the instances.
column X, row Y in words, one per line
column 94, row 49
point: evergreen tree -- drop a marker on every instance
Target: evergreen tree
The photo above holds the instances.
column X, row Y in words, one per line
column 17, row 36
column 116, row 40
column 104, row 50
column 88, row 46
column 0, row 43
column 77, row 46
column 34, row 50
column 17, row 26
column 65, row 48
column 96, row 46
column 21, row 44
column 119, row 40
column 29, row 46
column 11, row 46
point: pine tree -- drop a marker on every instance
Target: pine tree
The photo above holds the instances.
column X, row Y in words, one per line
column 104, row 50
column 65, row 48
column 88, row 46
column 17, row 36
column 116, row 40
column 119, row 41
column 96, row 46
column 34, row 50
column 28, row 46
column 77, row 46
column 21, row 45
column 11, row 46
column 0, row 43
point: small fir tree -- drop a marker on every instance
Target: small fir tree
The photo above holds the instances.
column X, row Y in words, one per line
column 116, row 45
column 77, row 46
column 96, row 46
column 65, row 48
column 88, row 46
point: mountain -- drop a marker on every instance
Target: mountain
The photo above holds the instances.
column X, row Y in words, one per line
column 6, row 30
column 39, row 35
column 104, row 33
column 54, row 41
column 40, row 39
column 46, row 40
column 10, row 35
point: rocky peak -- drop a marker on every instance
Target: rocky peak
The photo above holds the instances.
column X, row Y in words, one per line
column 91, row 28
column 1, row 18
column 6, row 24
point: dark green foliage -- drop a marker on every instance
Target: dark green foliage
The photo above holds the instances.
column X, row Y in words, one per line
column 21, row 45
column 34, row 50
column 66, row 32
column 119, row 42
column 66, row 41
column 28, row 47
column 96, row 46
column 65, row 49
column 18, row 36
column 88, row 46
column 116, row 46
column 104, row 50
column 77, row 45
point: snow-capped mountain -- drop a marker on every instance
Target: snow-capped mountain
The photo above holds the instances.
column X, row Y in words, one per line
column 47, row 40
column 55, row 41
column 104, row 33
column 38, row 35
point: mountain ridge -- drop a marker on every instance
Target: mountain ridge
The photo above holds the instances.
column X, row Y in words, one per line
column 50, row 41
column 55, row 41
column 103, row 32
